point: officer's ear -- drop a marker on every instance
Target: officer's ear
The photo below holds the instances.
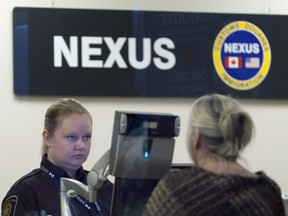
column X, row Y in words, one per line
column 46, row 138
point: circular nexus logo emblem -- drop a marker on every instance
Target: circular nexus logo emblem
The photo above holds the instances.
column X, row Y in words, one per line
column 241, row 55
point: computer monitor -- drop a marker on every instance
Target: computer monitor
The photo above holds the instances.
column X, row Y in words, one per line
column 141, row 153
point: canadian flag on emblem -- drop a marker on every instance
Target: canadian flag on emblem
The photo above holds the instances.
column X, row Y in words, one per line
column 233, row 62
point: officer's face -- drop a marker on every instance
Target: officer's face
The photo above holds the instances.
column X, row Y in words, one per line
column 69, row 147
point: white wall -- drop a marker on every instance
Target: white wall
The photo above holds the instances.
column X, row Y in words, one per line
column 22, row 117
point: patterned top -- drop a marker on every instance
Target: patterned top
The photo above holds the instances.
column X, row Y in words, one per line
column 198, row 192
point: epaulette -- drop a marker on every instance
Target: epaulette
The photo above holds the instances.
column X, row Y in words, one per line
column 32, row 173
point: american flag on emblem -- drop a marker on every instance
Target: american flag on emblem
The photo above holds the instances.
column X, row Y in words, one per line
column 252, row 62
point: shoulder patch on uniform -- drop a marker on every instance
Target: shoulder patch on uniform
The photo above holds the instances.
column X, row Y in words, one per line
column 10, row 206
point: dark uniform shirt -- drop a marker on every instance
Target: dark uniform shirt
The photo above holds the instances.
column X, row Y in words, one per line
column 38, row 193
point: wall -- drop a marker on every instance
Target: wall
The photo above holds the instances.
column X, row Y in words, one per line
column 22, row 117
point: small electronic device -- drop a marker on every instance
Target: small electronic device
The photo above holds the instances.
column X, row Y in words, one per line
column 142, row 144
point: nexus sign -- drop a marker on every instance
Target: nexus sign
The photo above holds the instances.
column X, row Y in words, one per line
column 158, row 52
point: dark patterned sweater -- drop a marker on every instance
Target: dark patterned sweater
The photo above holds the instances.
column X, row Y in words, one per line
column 197, row 192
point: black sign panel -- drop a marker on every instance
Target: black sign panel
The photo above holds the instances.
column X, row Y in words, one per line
column 149, row 54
